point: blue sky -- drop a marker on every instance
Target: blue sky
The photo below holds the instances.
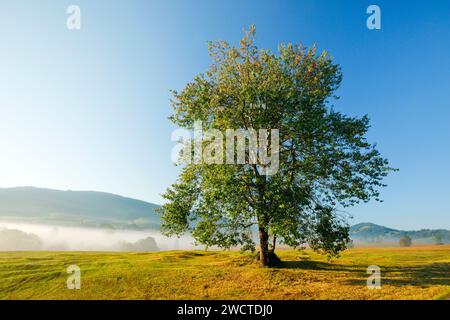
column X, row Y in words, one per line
column 87, row 109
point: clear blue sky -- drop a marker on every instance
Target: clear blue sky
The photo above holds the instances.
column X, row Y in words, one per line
column 87, row 109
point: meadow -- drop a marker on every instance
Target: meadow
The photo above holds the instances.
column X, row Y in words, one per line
column 421, row 272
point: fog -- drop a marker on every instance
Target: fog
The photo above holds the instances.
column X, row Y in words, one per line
column 26, row 236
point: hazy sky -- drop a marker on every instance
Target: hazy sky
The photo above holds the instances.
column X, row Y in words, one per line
column 87, row 109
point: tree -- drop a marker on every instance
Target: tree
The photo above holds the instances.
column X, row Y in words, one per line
column 147, row 244
column 438, row 238
column 405, row 241
column 12, row 240
column 324, row 159
column 350, row 244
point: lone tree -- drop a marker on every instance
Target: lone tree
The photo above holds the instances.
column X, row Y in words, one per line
column 438, row 238
column 324, row 159
column 405, row 241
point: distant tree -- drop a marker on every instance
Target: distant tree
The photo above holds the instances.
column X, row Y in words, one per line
column 405, row 241
column 350, row 244
column 325, row 160
column 438, row 238
column 143, row 245
column 14, row 240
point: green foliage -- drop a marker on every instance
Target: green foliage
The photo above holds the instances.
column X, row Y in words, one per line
column 405, row 241
column 325, row 160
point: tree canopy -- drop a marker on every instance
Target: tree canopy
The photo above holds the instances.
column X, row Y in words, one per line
column 325, row 161
column 405, row 241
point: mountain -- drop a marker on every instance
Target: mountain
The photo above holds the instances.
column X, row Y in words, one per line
column 76, row 208
column 106, row 210
column 370, row 232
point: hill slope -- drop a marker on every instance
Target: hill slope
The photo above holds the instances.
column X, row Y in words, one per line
column 371, row 232
column 80, row 208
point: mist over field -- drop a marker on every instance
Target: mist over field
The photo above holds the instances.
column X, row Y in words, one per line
column 45, row 219
column 25, row 236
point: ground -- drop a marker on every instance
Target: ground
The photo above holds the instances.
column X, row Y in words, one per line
column 406, row 273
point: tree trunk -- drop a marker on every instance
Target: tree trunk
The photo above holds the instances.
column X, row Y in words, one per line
column 264, row 247
column 274, row 242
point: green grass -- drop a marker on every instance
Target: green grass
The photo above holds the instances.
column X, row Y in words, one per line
column 407, row 273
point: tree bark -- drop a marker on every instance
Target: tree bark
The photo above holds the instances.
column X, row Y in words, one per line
column 274, row 242
column 264, row 247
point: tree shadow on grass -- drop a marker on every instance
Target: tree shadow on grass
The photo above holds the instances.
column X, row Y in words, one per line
column 317, row 265
column 419, row 275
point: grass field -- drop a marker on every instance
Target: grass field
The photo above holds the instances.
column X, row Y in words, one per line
column 407, row 273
